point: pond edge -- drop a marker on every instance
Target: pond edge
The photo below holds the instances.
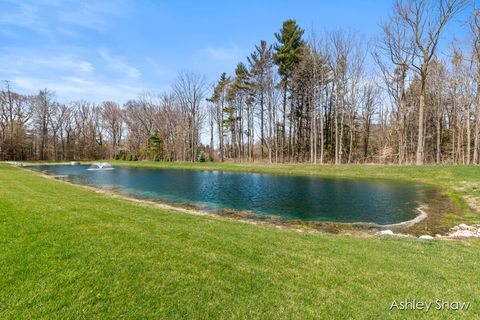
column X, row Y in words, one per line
column 369, row 229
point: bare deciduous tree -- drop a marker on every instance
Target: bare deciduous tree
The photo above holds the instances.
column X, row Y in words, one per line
column 426, row 20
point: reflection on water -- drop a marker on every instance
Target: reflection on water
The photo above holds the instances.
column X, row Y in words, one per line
column 303, row 198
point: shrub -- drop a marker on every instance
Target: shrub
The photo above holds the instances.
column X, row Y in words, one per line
column 202, row 157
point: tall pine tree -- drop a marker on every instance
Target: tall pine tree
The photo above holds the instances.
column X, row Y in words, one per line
column 288, row 51
column 260, row 63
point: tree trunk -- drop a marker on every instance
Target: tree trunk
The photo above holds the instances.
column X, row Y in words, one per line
column 438, row 148
column 419, row 154
column 477, row 125
column 469, row 138
column 262, row 137
column 284, row 119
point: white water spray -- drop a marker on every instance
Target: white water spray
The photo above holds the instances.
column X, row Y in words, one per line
column 101, row 166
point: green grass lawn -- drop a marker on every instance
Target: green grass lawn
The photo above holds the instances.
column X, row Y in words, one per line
column 67, row 252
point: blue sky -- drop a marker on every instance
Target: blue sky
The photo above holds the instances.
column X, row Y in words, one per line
column 115, row 50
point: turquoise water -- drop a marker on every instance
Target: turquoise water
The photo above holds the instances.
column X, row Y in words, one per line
column 289, row 197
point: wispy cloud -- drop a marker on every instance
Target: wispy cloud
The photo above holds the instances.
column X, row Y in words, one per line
column 72, row 70
column 50, row 17
column 120, row 64
column 71, row 88
column 81, row 75
column 24, row 15
column 93, row 14
column 75, row 47
column 14, row 60
column 230, row 53
column 158, row 69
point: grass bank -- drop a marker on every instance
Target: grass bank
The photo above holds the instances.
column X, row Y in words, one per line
column 67, row 252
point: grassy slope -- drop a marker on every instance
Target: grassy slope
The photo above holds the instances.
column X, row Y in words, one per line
column 69, row 252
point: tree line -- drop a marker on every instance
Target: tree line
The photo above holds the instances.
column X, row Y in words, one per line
column 153, row 126
column 320, row 98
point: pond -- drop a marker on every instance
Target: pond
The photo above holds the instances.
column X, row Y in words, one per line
column 288, row 197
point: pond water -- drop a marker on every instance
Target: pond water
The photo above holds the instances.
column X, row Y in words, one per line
column 289, row 197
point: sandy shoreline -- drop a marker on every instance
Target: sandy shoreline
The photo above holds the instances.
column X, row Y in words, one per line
column 409, row 223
